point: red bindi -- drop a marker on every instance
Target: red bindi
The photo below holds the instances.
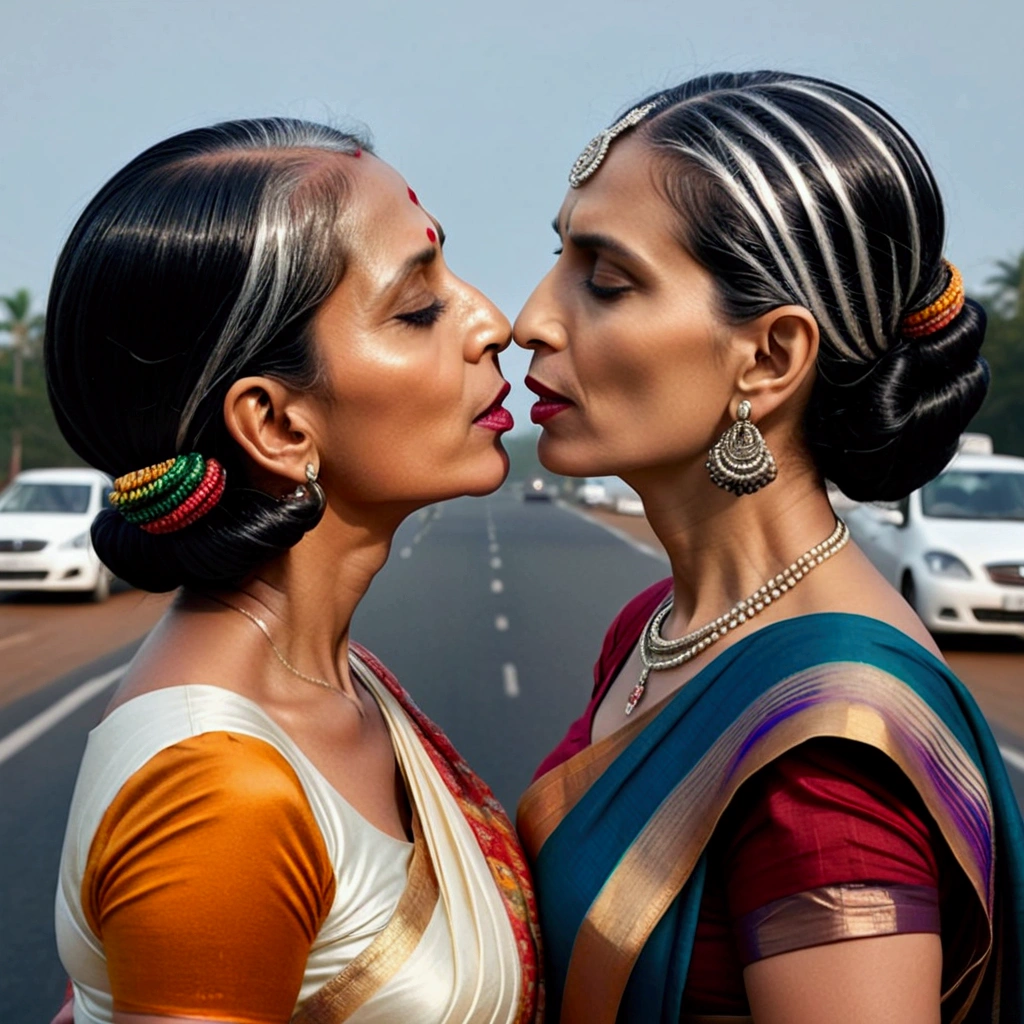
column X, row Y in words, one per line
column 358, row 153
column 432, row 234
column 414, row 197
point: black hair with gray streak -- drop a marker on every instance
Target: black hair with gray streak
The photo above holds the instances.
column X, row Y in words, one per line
column 793, row 190
column 202, row 261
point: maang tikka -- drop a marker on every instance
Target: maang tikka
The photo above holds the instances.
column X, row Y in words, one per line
column 597, row 149
column 739, row 461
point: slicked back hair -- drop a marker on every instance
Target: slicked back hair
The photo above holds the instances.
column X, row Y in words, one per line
column 794, row 190
column 202, row 261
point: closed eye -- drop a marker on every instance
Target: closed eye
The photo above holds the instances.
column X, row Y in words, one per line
column 425, row 317
column 602, row 292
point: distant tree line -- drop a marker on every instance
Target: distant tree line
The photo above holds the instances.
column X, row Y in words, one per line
column 29, row 437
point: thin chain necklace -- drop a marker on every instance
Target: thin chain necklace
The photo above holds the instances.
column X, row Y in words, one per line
column 657, row 653
column 280, row 657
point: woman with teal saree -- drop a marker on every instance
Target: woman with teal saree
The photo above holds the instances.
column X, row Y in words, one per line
column 802, row 818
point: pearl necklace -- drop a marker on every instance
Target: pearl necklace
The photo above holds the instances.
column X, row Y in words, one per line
column 657, row 653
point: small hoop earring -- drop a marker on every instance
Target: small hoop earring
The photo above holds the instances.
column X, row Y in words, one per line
column 739, row 461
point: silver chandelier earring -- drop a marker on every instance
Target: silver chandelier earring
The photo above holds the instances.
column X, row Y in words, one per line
column 739, row 461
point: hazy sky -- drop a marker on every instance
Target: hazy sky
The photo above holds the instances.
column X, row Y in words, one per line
column 482, row 106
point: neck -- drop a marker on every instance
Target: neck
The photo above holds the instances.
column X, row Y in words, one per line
column 308, row 596
column 722, row 547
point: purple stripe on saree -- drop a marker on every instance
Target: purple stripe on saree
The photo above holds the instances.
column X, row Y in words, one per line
column 836, row 913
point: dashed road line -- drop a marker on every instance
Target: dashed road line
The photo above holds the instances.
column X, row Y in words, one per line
column 497, row 586
column 495, row 548
column 13, row 742
column 495, row 563
column 510, row 678
column 501, row 623
column 405, row 552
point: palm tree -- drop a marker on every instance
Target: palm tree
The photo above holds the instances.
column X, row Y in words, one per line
column 26, row 330
column 1008, row 281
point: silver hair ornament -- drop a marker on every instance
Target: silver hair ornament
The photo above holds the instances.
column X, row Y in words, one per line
column 597, row 149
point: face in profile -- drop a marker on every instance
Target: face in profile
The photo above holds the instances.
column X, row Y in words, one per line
column 630, row 358
column 412, row 407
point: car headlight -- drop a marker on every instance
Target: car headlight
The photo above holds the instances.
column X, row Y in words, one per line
column 81, row 541
column 942, row 564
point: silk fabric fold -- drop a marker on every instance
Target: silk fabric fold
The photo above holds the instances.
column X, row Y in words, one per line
column 617, row 833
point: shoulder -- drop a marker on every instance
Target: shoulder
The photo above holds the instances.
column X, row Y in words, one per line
column 214, row 782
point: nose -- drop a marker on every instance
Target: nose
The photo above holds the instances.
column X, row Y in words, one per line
column 489, row 329
column 539, row 324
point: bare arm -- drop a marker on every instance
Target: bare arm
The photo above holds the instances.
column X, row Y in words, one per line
column 892, row 979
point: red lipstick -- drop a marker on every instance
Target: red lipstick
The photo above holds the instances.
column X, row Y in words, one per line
column 550, row 402
column 495, row 417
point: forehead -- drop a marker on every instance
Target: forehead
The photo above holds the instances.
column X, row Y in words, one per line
column 383, row 219
column 622, row 195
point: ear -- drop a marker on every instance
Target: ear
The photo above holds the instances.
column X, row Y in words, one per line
column 781, row 352
column 270, row 423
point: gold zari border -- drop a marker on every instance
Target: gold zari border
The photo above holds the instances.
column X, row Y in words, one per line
column 551, row 797
column 383, row 958
column 656, row 867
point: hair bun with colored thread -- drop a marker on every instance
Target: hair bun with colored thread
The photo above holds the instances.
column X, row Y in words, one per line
column 897, row 427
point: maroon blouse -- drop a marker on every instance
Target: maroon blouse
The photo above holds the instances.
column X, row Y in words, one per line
column 829, row 828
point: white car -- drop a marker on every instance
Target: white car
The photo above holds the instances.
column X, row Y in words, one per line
column 592, row 493
column 955, row 548
column 45, row 516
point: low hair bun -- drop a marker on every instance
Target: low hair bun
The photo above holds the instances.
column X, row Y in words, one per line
column 246, row 529
column 881, row 436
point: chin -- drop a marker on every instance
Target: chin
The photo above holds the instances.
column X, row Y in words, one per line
column 570, row 458
column 490, row 475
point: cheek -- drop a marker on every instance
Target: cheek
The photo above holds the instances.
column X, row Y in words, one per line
column 397, row 420
column 654, row 393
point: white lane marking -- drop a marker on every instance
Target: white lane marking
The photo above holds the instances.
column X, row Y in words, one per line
column 495, row 548
column 15, row 638
column 495, row 563
column 511, row 679
column 645, row 549
column 1013, row 757
column 497, row 586
column 35, row 727
column 501, row 623
column 405, row 552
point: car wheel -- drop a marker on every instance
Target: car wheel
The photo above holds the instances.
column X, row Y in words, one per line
column 909, row 590
column 101, row 591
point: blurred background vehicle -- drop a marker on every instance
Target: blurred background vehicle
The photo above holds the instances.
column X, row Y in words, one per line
column 593, row 493
column 626, row 501
column 537, row 490
column 955, row 548
column 45, row 516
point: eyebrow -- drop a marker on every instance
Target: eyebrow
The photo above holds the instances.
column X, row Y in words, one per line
column 415, row 262
column 595, row 240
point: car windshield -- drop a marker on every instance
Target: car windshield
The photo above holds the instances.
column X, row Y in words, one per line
column 67, row 499
column 974, row 494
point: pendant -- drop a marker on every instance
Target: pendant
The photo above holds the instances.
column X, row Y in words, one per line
column 638, row 692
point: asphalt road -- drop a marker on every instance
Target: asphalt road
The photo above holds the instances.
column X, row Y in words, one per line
column 490, row 612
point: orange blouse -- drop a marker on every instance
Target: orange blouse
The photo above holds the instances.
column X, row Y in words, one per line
column 207, row 882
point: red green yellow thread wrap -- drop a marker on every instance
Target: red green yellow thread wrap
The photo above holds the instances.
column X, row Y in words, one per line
column 169, row 495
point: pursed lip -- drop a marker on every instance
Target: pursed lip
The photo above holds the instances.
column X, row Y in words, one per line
column 503, row 393
column 549, row 402
column 543, row 391
column 495, row 417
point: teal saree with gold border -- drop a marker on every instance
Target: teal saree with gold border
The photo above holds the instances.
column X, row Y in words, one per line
column 617, row 834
